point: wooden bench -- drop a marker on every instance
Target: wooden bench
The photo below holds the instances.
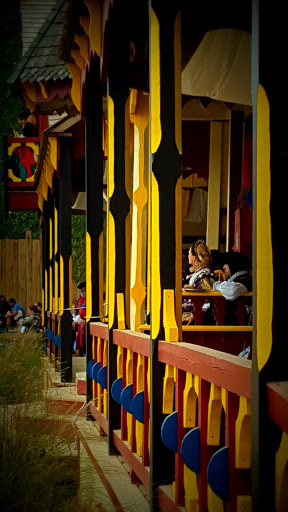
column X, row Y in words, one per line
column 221, row 305
column 231, row 339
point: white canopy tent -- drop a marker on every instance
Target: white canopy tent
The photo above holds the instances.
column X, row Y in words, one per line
column 220, row 68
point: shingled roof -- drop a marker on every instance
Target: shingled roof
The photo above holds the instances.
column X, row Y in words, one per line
column 42, row 61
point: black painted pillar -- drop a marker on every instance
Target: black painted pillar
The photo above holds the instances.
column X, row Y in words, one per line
column 119, row 230
column 166, row 240
column 45, row 262
column 65, row 250
column 94, row 205
column 270, row 153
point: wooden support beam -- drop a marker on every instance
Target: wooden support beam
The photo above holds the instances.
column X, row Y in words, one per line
column 214, row 184
column 270, row 150
column 119, row 188
column 235, row 173
column 165, row 221
column 94, row 205
column 65, row 258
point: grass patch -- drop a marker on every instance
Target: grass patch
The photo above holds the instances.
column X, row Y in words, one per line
column 39, row 466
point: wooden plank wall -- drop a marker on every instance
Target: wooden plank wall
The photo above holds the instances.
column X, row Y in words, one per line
column 20, row 270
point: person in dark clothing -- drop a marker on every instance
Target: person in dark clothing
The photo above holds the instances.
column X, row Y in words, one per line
column 28, row 123
column 31, row 322
column 4, row 308
column 238, row 281
column 238, row 277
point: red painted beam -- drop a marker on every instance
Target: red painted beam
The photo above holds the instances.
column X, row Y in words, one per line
column 278, row 403
column 165, row 500
column 98, row 329
column 100, row 418
column 136, row 341
column 22, row 201
column 133, row 460
column 112, row 495
column 230, row 372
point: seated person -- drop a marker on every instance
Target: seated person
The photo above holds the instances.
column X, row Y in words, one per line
column 4, row 308
column 17, row 312
column 238, row 278
column 28, row 123
column 200, row 277
column 39, row 307
column 31, row 322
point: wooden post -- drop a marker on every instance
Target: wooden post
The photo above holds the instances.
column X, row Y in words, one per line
column 51, row 251
column 119, row 193
column 140, row 210
column 45, row 262
column 214, row 185
column 28, row 240
column 235, row 173
column 22, row 273
column 65, row 258
column 270, row 159
column 94, row 207
column 166, row 241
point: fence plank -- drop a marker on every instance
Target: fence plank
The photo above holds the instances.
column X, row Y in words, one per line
column 29, row 292
column 22, row 274
column 14, row 276
column 36, row 272
column 9, row 273
column 3, row 267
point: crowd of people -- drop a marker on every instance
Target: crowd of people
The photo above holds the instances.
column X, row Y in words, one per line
column 227, row 272
column 13, row 316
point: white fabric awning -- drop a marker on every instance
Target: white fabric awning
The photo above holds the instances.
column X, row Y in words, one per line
column 80, row 203
column 220, row 68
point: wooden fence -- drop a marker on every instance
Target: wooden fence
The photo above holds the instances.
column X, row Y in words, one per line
column 21, row 269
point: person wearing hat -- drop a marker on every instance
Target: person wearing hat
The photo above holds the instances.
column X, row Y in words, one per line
column 200, row 277
column 238, row 278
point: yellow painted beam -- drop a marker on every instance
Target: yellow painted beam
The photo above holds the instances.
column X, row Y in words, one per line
column 155, row 259
column 243, row 435
column 215, row 504
column 264, row 257
column 95, row 25
column 88, row 278
column 83, row 43
column 190, row 395
column 139, row 212
column 80, row 61
column 156, row 132
column 120, row 311
column 191, row 490
column 214, row 185
column 110, row 244
column 56, row 271
column 244, row 504
column 76, row 89
column 214, row 415
column 168, row 389
column 169, row 321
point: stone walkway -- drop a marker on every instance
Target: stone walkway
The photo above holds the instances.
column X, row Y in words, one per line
column 104, row 479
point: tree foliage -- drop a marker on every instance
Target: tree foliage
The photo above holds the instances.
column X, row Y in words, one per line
column 10, row 106
column 78, row 248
